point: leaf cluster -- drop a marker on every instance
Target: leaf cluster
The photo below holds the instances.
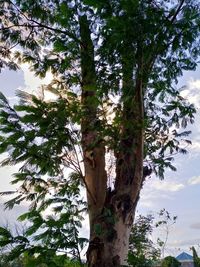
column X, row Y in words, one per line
column 162, row 35
column 148, row 41
column 170, row 261
column 142, row 250
column 37, row 135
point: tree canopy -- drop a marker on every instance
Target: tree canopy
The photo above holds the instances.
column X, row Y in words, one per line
column 167, row 43
column 117, row 116
column 170, row 261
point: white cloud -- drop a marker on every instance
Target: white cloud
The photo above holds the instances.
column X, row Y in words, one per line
column 194, row 83
column 155, row 189
column 194, row 180
column 146, row 201
column 32, row 82
column 192, row 92
column 167, row 186
column 195, row 145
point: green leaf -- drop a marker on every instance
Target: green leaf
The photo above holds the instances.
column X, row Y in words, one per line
column 5, row 232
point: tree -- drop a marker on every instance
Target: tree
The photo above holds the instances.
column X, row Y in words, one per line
column 196, row 259
column 142, row 250
column 166, row 221
column 170, row 261
column 25, row 260
column 115, row 65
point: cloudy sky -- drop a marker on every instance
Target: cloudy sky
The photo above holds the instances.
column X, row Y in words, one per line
column 179, row 193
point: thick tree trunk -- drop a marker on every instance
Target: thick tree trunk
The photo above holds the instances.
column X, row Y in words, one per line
column 111, row 213
column 110, row 248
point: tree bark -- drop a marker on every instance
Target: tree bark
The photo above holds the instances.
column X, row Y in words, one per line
column 111, row 213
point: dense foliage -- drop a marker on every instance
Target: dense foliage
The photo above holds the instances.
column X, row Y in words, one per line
column 170, row 261
column 56, row 208
column 115, row 64
column 49, row 34
column 25, row 260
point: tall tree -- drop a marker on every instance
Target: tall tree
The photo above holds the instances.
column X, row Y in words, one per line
column 116, row 65
column 196, row 259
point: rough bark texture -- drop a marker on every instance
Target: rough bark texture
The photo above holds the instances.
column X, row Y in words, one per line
column 111, row 213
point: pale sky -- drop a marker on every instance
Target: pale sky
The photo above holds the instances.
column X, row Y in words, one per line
column 179, row 193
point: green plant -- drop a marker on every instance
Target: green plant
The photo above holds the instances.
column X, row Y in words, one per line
column 142, row 251
column 165, row 221
column 196, row 259
column 170, row 261
column 115, row 64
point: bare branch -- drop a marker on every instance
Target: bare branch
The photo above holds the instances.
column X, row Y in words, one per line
column 177, row 11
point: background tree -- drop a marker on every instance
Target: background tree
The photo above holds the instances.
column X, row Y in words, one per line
column 142, row 251
column 170, row 261
column 166, row 221
column 196, row 259
column 108, row 57
column 26, row 260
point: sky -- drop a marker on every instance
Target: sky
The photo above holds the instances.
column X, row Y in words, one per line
column 179, row 193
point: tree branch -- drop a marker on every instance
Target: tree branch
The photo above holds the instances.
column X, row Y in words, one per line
column 41, row 25
column 157, row 49
column 177, row 11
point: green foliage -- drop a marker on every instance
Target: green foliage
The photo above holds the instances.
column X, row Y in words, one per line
column 35, row 134
column 142, row 250
column 146, row 42
column 196, row 259
column 49, row 235
column 170, row 262
column 166, row 33
column 5, row 263
column 26, row 260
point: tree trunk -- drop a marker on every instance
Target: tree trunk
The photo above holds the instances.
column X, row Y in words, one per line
column 111, row 213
